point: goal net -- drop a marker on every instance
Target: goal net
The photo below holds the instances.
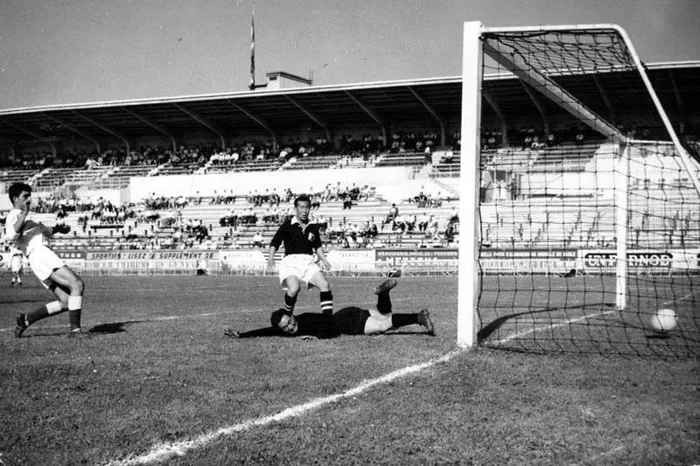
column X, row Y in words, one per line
column 580, row 214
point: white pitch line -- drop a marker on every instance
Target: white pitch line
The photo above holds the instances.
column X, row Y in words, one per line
column 677, row 300
column 164, row 451
column 537, row 329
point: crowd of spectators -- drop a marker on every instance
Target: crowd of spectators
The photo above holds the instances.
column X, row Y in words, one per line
column 366, row 146
column 426, row 200
column 199, row 154
column 535, row 139
column 144, row 155
column 264, row 151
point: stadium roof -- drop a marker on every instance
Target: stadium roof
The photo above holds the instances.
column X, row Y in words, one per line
column 333, row 106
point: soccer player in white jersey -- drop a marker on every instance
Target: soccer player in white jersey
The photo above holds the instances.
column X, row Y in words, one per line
column 16, row 266
column 30, row 237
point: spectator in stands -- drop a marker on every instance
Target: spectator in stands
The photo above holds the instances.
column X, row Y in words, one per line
column 315, row 202
column 393, row 213
column 91, row 163
column 454, row 215
column 347, row 201
column 423, row 222
column 536, row 144
column 258, row 239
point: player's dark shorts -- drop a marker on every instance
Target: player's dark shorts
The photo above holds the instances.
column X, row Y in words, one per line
column 351, row 320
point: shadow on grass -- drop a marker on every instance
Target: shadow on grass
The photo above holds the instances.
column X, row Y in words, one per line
column 111, row 327
column 99, row 329
column 623, row 335
column 402, row 333
column 489, row 329
column 23, row 301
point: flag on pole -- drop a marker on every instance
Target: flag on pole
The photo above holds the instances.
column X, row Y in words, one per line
column 252, row 51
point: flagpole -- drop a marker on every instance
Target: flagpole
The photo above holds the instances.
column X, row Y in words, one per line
column 251, row 86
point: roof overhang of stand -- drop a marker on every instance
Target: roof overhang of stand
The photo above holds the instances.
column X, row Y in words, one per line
column 336, row 106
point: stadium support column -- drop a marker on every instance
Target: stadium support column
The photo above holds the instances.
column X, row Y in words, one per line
column 468, row 288
column 497, row 110
column 202, row 121
column 75, row 130
column 604, row 97
column 311, row 115
column 622, row 167
column 33, row 134
column 257, row 120
column 433, row 113
column 153, row 125
column 679, row 102
column 371, row 113
column 106, row 130
column 538, row 105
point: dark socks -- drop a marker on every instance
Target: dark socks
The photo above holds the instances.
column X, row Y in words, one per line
column 37, row 314
column 74, row 318
column 384, row 303
column 289, row 302
column 326, row 302
column 400, row 320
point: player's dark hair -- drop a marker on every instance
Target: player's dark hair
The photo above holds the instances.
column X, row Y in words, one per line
column 276, row 316
column 302, row 198
column 16, row 189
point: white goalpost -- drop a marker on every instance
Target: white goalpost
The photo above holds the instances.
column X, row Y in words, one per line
column 566, row 206
column 469, row 231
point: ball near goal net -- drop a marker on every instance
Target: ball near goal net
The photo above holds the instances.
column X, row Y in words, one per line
column 580, row 201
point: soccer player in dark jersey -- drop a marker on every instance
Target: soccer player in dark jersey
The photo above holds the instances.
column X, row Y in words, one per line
column 346, row 321
column 301, row 238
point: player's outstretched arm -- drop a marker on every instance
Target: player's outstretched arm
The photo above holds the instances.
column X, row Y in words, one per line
column 46, row 231
column 260, row 332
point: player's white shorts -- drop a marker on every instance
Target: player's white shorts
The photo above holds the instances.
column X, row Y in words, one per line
column 377, row 322
column 301, row 266
column 44, row 262
column 16, row 263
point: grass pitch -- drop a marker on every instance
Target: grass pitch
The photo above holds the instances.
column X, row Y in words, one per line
column 156, row 368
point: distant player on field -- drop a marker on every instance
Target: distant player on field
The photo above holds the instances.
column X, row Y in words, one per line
column 30, row 237
column 301, row 238
column 347, row 321
column 16, row 266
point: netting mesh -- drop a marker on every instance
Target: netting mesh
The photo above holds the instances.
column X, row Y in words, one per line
column 575, row 159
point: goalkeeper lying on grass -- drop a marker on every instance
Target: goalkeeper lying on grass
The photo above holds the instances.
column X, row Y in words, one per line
column 346, row 321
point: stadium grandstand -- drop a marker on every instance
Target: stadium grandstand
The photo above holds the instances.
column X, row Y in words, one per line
column 114, row 171
column 507, row 261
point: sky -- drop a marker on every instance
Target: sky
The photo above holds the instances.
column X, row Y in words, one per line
column 72, row 51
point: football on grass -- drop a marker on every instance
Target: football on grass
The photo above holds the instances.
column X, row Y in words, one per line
column 664, row 320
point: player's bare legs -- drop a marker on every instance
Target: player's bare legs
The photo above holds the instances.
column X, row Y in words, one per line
column 67, row 279
column 384, row 319
column 68, row 288
column 293, row 285
column 326, row 296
